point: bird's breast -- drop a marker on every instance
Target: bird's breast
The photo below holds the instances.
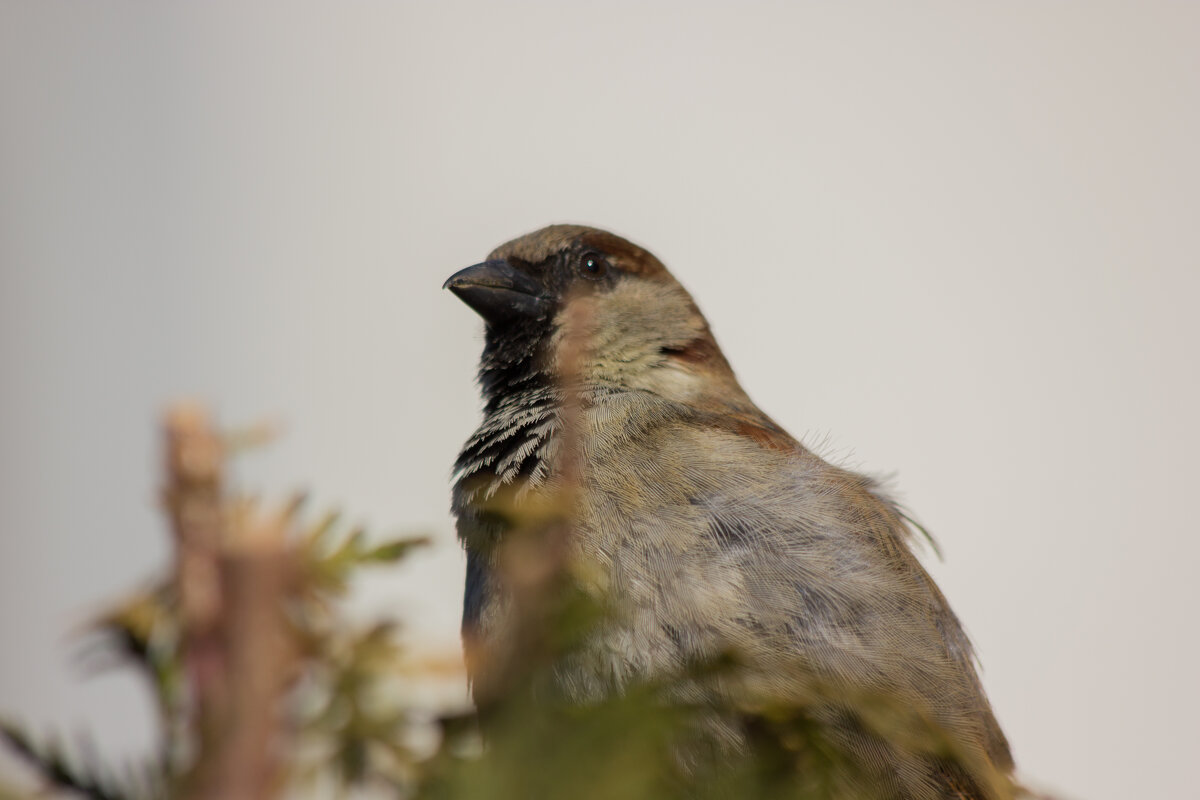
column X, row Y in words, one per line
column 513, row 445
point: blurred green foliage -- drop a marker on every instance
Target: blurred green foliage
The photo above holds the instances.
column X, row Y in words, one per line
column 347, row 728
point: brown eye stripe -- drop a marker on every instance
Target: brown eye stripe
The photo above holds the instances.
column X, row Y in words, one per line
column 539, row 246
column 698, row 351
column 547, row 243
column 624, row 255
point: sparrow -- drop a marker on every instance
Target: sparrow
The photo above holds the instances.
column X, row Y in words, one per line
column 708, row 526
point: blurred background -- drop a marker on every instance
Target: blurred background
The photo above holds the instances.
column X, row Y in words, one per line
column 953, row 243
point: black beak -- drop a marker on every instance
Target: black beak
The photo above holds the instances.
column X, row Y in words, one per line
column 498, row 292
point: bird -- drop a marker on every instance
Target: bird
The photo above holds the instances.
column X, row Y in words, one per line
column 709, row 526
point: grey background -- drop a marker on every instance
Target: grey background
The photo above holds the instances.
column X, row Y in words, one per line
column 957, row 242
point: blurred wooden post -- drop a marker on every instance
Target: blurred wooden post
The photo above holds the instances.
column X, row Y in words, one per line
column 233, row 572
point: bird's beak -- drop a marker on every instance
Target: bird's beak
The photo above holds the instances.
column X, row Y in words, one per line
column 498, row 292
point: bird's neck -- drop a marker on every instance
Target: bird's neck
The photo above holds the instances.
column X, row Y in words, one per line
column 521, row 403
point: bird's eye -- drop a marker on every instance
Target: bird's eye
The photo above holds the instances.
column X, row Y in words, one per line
column 593, row 266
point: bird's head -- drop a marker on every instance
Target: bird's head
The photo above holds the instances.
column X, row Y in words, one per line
column 569, row 302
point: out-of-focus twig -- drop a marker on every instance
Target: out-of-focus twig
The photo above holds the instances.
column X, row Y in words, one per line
column 261, row 681
column 534, row 558
column 233, row 570
column 192, row 498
